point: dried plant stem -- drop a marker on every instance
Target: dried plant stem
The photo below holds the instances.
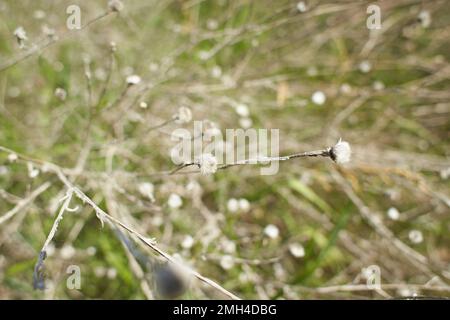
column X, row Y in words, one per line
column 38, row 48
column 24, row 202
column 101, row 214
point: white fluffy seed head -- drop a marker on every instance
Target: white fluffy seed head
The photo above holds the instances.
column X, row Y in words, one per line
column 297, row 250
column 147, row 189
column 174, row 201
column 227, row 262
column 115, row 5
column 318, row 98
column 187, row 242
column 415, row 236
column 207, row 163
column 61, row 94
column 271, row 231
column 133, row 79
column 393, row 213
column 184, row 115
column 341, row 152
column 233, row 205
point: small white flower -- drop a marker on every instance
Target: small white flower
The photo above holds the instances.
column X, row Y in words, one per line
column 318, row 98
column 365, row 66
column 133, row 79
column 415, row 236
column 4, row 170
column 227, row 262
column 115, row 5
column 203, row 55
column 297, row 250
column 39, row 14
column 12, row 157
column 233, row 205
column 184, row 115
column 228, row 246
column 175, row 201
column 187, row 242
column 393, row 213
column 111, row 273
column 32, row 171
column 61, row 94
column 91, row 251
column 445, row 173
column 216, row 72
column 67, row 252
column 301, row 6
column 341, row 152
column 271, row 231
column 245, row 122
column 346, row 88
column 378, row 85
column 207, row 163
column 100, row 272
column 242, row 110
column 212, row 24
column 143, row 105
column 21, row 36
column 147, row 189
column 244, row 204
column 424, row 18
column 50, row 250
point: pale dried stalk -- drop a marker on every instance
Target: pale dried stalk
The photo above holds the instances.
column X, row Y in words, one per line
column 24, row 202
column 101, row 214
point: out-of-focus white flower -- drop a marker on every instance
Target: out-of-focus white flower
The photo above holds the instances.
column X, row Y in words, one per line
column 424, row 18
column 61, row 94
column 233, row 205
column 32, row 171
column 318, row 98
column 212, row 24
column 345, row 88
column 271, row 231
column 21, row 36
column 203, row 55
column 216, row 72
column 39, row 14
column 415, row 236
column 297, row 250
column 183, row 115
column 100, row 272
column 341, row 152
column 147, row 189
column 50, row 250
column 245, row 122
column 242, row 110
column 445, row 173
column 244, row 204
column 187, row 242
column 301, row 6
column 227, row 262
column 115, row 5
column 228, row 246
column 12, row 157
column 67, row 252
column 207, row 163
column 91, row 251
column 378, row 85
column 365, row 66
column 133, row 79
column 393, row 213
column 3, row 170
column 175, row 201
column 143, row 105
column 111, row 273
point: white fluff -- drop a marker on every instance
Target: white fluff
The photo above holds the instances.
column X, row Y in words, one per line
column 207, row 163
column 341, row 152
column 133, row 79
column 318, row 98
column 175, row 201
column 184, row 115
column 272, row 231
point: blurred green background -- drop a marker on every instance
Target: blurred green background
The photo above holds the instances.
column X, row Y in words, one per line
column 387, row 93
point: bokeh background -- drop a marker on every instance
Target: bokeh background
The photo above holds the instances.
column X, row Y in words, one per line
column 312, row 69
